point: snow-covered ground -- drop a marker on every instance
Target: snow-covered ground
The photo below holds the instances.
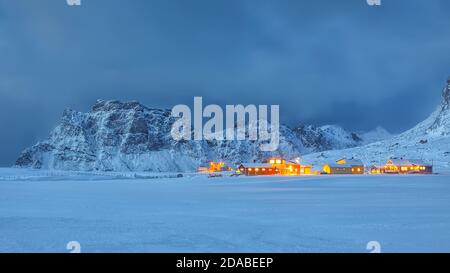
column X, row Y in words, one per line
column 128, row 213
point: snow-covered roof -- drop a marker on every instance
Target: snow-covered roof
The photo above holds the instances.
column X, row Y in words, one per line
column 336, row 165
column 408, row 162
column 419, row 162
column 354, row 162
column 399, row 162
column 291, row 162
column 256, row 165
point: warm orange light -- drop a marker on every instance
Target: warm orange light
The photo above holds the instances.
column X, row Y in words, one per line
column 263, row 169
column 256, row 169
column 278, row 161
column 249, row 169
column 272, row 161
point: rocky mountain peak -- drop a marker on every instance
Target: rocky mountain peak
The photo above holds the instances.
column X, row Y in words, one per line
column 113, row 105
column 446, row 95
column 438, row 124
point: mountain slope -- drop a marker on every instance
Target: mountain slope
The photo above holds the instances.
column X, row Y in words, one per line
column 428, row 140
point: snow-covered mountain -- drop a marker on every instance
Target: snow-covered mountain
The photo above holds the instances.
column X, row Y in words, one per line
column 428, row 140
column 127, row 136
column 332, row 137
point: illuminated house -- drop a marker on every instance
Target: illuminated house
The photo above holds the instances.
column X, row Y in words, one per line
column 252, row 169
column 288, row 167
column 344, row 166
column 403, row 166
column 215, row 167
column 275, row 166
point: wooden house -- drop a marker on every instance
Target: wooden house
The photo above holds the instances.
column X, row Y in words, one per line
column 405, row 166
column 253, row 169
column 344, row 166
column 289, row 167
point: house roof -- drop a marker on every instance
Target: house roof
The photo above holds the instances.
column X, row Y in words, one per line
column 336, row 165
column 408, row 162
column 291, row 162
column 354, row 162
column 351, row 162
column 419, row 162
column 256, row 165
column 399, row 162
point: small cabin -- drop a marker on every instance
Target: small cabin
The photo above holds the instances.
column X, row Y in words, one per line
column 253, row 169
column 407, row 166
column 344, row 166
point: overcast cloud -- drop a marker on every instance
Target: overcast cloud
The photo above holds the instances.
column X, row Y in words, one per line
column 323, row 61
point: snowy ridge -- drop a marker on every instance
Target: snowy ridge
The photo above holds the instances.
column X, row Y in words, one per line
column 429, row 140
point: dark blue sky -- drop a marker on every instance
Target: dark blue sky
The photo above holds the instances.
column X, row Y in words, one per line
column 323, row 61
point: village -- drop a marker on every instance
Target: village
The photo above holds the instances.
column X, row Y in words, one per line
column 283, row 167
